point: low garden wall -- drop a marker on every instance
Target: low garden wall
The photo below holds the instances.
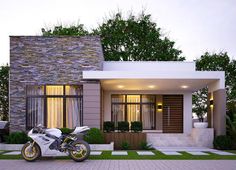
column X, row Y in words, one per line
column 133, row 139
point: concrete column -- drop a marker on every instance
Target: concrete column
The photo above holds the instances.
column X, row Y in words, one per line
column 219, row 112
column 92, row 105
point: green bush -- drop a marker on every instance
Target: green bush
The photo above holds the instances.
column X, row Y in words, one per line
column 17, row 138
column 136, row 126
column 108, row 126
column 94, row 136
column 145, row 146
column 65, row 130
column 123, row 126
column 125, row 145
column 222, row 142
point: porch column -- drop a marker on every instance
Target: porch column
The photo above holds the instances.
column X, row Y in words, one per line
column 217, row 111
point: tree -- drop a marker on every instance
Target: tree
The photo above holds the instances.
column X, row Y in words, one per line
column 77, row 30
column 131, row 39
column 4, row 88
column 215, row 62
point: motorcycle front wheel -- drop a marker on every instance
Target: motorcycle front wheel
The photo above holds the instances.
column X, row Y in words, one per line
column 82, row 151
column 30, row 153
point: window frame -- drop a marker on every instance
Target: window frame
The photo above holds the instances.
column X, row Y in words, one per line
column 64, row 97
column 141, row 103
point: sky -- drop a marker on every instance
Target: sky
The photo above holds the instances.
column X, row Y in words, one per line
column 196, row 26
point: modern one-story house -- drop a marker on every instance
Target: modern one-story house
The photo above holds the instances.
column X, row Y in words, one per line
column 65, row 82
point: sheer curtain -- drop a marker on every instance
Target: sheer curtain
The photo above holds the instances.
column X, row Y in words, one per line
column 54, row 107
column 35, row 106
column 72, row 108
column 148, row 116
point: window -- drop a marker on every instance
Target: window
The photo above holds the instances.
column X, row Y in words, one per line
column 54, row 106
column 134, row 108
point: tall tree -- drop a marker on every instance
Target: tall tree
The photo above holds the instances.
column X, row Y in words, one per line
column 4, row 88
column 135, row 38
column 215, row 62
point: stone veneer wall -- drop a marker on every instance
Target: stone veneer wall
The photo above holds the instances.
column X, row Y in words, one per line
column 36, row 60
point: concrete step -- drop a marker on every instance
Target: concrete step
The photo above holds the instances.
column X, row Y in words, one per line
column 170, row 140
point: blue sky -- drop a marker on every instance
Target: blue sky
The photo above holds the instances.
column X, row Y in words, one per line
column 195, row 25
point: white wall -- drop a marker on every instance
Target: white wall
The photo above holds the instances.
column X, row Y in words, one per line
column 187, row 111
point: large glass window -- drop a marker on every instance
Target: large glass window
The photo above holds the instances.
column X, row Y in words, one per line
column 134, row 108
column 54, row 106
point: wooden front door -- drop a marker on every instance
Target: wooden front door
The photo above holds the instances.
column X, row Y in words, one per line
column 172, row 113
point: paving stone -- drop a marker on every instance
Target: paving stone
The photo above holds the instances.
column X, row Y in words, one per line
column 222, row 153
column 197, row 153
column 145, row 153
column 119, row 153
column 95, row 153
column 171, row 153
column 13, row 153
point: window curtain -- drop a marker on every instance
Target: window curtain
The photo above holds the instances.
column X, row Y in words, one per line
column 148, row 116
column 72, row 108
column 35, row 106
column 118, row 111
column 133, row 112
column 54, row 107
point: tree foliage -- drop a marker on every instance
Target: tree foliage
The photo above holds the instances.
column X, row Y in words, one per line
column 4, row 88
column 135, row 38
column 76, row 30
column 215, row 62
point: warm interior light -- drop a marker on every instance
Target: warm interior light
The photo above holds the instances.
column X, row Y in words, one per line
column 120, row 86
column 184, row 87
column 151, row 86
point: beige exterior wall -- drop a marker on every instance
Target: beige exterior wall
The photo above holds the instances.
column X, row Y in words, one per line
column 91, row 105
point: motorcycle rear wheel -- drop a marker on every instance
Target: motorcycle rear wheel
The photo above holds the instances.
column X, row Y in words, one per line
column 30, row 153
column 81, row 154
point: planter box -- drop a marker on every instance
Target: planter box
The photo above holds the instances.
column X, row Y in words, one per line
column 200, row 125
column 134, row 139
column 17, row 147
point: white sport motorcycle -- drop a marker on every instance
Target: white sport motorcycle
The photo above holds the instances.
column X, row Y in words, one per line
column 51, row 142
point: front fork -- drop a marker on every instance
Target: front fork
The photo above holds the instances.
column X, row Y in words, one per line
column 31, row 145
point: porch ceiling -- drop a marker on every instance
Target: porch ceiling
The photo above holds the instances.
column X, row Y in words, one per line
column 156, row 84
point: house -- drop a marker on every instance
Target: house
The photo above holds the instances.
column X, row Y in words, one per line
column 65, row 82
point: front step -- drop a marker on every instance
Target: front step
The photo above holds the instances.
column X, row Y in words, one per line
column 170, row 140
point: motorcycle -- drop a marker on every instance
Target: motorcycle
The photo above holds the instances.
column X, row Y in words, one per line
column 51, row 142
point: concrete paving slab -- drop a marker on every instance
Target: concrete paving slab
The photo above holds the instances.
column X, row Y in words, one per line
column 95, row 153
column 119, row 153
column 197, row 153
column 13, row 153
column 171, row 153
column 145, row 153
column 185, row 149
column 222, row 153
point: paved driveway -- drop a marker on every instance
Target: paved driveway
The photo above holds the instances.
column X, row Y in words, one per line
column 119, row 164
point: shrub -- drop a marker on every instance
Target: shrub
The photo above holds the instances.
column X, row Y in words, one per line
column 17, row 138
column 108, row 126
column 222, row 142
column 125, row 145
column 94, row 136
column 145, row 146
column 65, row 130
column 136, row 126
column 123, row 126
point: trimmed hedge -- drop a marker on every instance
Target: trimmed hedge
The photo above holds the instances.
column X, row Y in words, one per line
column 125, row 145
column 94, row 136
column 108, row 126
column 123, row 126
column 65, row 130
column 136, row 126
column 222, row 142
column 17, row 138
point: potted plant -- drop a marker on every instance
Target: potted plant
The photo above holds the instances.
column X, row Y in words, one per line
column 200, row 108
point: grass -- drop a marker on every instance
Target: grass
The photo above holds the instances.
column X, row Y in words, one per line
column 132, row 155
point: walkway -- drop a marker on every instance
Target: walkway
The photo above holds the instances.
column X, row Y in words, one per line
column 119, row 164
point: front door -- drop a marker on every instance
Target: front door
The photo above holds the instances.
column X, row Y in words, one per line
column 172, row 113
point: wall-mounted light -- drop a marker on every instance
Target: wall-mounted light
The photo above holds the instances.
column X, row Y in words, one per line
column 211, row 103
column 159, row 107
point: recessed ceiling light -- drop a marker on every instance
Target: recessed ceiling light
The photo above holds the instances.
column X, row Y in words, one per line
column 151, row 86
column 184, row 87
column 120, row 86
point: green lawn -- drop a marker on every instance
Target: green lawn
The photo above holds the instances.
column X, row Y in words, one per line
column 132, row 155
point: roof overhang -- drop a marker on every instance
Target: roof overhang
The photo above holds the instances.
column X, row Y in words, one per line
column 163, row 81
